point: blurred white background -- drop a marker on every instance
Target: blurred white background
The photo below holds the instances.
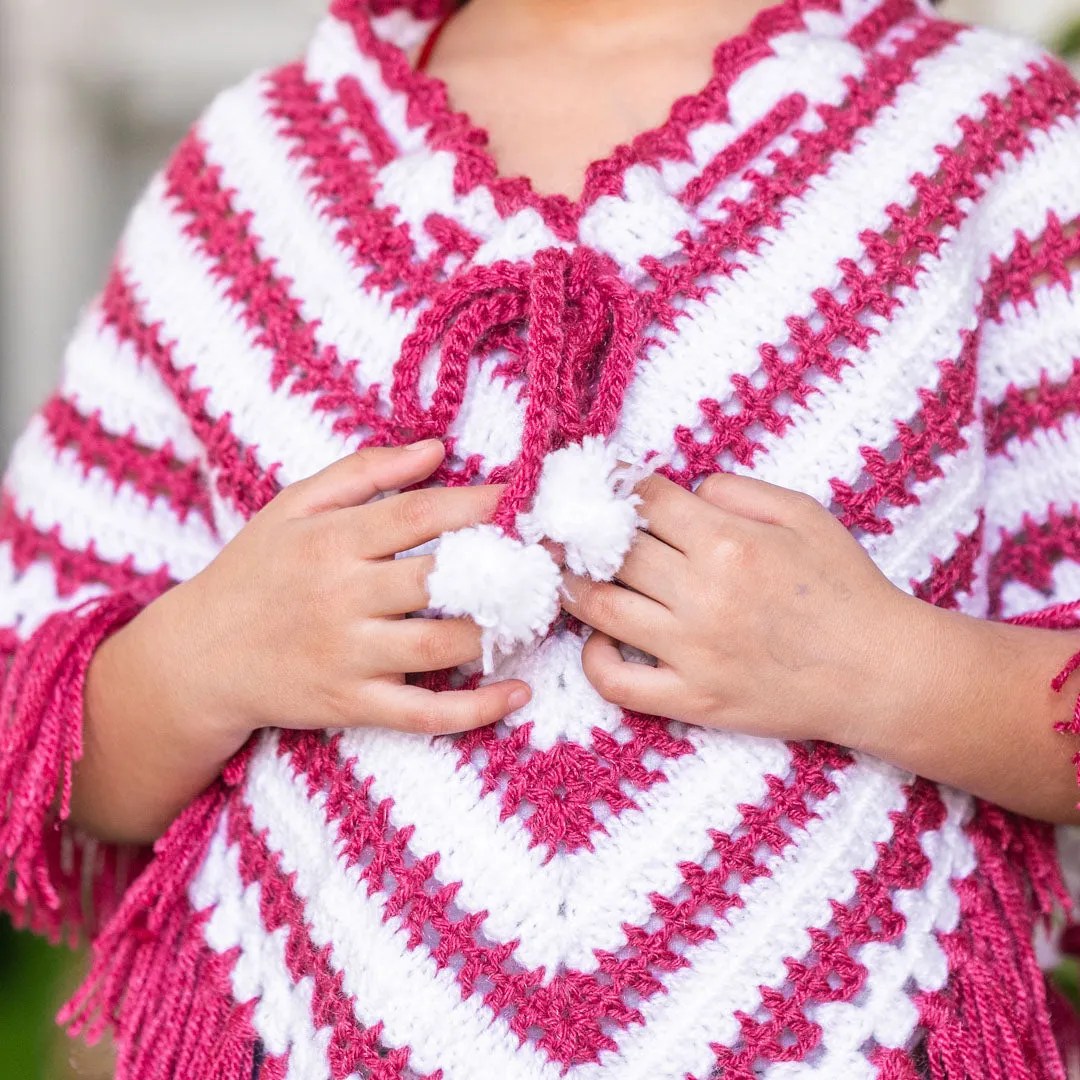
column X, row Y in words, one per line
column 92, row 95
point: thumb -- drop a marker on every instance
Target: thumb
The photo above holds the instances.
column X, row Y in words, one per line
column 358, row 478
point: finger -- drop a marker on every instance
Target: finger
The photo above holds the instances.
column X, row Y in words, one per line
column 358, row 478
column 406, row 521
column 654, row 569
column 638, row 687
column 674, row 514
column 425, row 712
column 410, row 646
column 755, row 499
column 625, row 615
column 399, row 586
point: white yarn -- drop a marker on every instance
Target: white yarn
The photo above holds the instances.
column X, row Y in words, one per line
column 585, row 505
column 509, row 589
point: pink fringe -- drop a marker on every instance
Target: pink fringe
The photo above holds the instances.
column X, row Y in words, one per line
column 154, row 980
column 43, row 865
column 997, row 994
column 1060, row 617
column 992, row 1021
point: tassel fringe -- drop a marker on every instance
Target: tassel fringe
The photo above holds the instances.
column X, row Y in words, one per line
column 1060, row 617
column 992, row 1021
column 154, row 980
column 44, row 867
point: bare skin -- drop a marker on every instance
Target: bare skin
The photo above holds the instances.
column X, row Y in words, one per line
column 767, row 617
column 609, row 69
column 773, row 621
column 296, row 624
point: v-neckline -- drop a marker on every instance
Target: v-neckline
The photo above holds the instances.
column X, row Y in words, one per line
column 453, row 130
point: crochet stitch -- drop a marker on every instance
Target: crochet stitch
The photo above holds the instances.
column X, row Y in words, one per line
column 846, row 266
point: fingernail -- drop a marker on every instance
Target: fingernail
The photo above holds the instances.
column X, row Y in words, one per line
column 426, row 444
column 519, row 699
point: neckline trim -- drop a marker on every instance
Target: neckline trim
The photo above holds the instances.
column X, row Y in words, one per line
column 452, row 130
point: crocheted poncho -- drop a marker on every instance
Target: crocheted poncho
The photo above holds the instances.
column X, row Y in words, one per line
column 845, row 266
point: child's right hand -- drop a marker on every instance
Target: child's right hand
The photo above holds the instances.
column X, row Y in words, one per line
column 302, row 614
column 298, row 623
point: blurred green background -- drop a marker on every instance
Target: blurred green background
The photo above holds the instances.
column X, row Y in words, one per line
column 33, row 979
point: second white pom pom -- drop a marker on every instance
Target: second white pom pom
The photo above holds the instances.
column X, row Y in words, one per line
column 585, row 502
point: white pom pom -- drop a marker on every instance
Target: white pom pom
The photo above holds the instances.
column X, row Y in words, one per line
column 509, row 589
column 585, row 502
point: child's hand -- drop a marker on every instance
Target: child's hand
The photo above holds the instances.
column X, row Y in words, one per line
column 764, row 614
column 297, row 624
column 303, row 611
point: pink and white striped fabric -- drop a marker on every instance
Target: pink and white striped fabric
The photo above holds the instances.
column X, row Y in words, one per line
column 845, row 266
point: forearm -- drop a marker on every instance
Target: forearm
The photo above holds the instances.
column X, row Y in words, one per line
column 143, row 759
column 968, row 702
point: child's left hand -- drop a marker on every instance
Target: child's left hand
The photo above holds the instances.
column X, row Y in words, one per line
column 765, row 615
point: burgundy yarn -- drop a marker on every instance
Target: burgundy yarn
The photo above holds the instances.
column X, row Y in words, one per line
column 583, row 327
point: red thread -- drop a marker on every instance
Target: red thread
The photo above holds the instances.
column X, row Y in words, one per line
column 933, row 432
column 991, row 1020
column 745, row 149
column 781, row 1031
column 353, row 1048
column 272, row 315
column 564, row 786
column 739, row 228
column 1026, row 410
column 1045, row 97
column 954, row 575
column 715, row 252
column 449, row 130
column 1065, row 616
column 344, row 191
column 364, row 117
column 1048, row 260
column 871, row 28
column 1030, row 554
column 153, row 978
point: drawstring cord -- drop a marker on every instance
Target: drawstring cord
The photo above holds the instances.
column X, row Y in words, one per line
column 584, row 332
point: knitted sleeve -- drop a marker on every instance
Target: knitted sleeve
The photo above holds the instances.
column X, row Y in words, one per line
column 1029, row 390
column 104, row 505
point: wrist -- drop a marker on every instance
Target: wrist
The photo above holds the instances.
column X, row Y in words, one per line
column 149, row 743
column 178, row 635
column 910, row 678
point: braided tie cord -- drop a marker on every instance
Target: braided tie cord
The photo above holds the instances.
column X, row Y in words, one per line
column 583, row 329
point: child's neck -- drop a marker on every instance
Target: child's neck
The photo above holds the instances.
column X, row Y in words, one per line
column 560, row 83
